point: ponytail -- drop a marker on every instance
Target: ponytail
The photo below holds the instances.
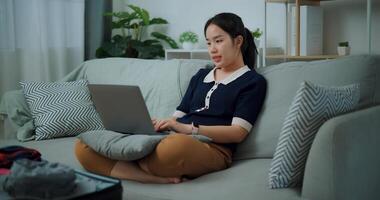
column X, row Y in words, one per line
column 249, row 49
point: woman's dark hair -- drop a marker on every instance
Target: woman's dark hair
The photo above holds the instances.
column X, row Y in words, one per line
column 233, row 25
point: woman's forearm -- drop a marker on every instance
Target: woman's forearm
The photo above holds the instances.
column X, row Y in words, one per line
column 219, row 134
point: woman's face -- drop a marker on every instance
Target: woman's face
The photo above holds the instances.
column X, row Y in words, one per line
column 224, row 51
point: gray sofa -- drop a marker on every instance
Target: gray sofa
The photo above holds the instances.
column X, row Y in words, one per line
column 343, row 162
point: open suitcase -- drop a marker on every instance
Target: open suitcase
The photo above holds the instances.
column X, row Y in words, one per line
column 89, row 187
column 105, row 187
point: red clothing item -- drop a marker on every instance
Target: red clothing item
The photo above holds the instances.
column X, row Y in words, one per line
column 9, row 154
column 4, row 171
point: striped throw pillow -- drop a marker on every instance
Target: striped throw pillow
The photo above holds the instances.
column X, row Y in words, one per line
column 311, row 107
column 61, row 108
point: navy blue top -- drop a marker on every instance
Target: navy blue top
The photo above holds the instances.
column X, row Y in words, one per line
column 236, row 100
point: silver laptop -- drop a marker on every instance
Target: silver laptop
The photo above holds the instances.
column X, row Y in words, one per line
column 122, row 108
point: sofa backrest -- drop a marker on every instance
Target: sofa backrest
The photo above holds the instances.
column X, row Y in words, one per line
column 283, row 82
column 162, row 83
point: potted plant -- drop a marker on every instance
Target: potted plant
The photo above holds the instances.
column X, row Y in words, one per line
column 132, row 24
column 256, row 35
column 188, row 39
column 343, row 48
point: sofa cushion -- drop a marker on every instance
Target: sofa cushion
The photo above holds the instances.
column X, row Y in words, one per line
column 311, row 107
column 162, row 82
column 283, row 82
column 56, row 150
column 243, row 180
column 61, row 109
column 120, row 146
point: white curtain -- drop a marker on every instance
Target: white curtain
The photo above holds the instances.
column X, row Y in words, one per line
column 40, row 40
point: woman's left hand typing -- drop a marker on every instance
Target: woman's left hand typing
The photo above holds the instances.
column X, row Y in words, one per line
column 172, row 125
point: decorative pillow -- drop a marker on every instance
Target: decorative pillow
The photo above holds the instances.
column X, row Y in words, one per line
column 311, row 107
column 121, row 146
column 61, row 108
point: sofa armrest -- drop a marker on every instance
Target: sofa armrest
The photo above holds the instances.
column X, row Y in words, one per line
column 7, row 131
column 17, row 116
column 344, row 161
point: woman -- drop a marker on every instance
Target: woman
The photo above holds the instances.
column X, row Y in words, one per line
column 221, row 103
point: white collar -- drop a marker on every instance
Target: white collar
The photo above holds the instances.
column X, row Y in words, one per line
column 236, row 74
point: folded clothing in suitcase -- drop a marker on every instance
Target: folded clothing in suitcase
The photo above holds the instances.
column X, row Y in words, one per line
column 43, row 180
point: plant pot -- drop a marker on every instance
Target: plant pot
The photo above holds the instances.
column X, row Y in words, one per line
column 257, row 43
column 187, row 45
column 344, row 51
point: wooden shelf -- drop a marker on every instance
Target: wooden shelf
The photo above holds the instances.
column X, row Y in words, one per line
column 302, row 2
column 298, row 4
column 316, row 57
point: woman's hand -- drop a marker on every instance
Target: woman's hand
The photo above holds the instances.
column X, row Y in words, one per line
column 171, row 125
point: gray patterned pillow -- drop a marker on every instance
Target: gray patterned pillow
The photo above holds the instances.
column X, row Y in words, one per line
column 311, row 107
column 61, row 108
column 120, row 146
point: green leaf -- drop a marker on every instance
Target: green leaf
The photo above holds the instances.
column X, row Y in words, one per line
column 257, row 33
column 132, row 16
column 343, row 44
column 116, row 25
column 151, row 42
column 151, row 52
column 113, row 49
column 108, row 14
column 188, row 36
column 117, row 38
column 142, row 13
column 134, row 25
column 122, row 42
column 145, row 16
column 134, row 22
column 173, row 44
column 158, row 21
column 101, row 53
column 121, row 14
column 148, row 49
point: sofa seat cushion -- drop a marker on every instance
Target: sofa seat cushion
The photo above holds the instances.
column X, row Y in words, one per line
column 246, row 179
column 55, row 150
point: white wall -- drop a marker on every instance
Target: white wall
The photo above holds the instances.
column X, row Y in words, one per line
column 344, row 20
column 192, row 15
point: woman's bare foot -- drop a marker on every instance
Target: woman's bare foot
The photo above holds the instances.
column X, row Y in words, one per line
column 184, row 179
column 174, row 180
column 132, row 171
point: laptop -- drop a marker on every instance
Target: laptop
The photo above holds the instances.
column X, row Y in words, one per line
column 122, row 108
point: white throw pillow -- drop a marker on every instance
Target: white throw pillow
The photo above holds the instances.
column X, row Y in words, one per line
column 311, row 107
column 61, row 108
